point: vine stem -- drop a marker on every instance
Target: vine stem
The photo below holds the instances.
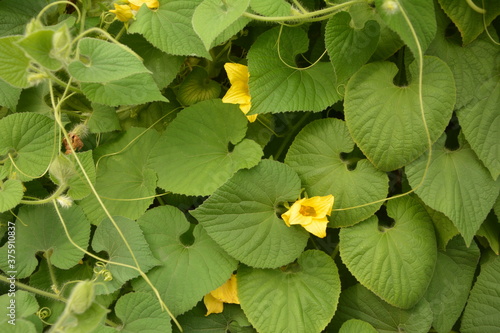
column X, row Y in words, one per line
column 304, row 16
column 137, row 267
column 33, row 290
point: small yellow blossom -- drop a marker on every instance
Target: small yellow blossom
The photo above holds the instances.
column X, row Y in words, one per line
column 123, row 12
column 136, row 4
column 239, row 93
column 227, row 293
column 311, row 214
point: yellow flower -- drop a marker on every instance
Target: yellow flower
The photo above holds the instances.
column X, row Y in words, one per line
column 311, row 214
column 239, row 93
column 122, row 12
column 227, row 293
column 136, row 4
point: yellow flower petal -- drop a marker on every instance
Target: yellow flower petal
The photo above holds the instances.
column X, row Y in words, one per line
column 136, row 4
column 311, row 214
column 123, row 12
column 237, row 73
column 213, row 304
column 317, row 227
column 239, row 93
column 228, row 292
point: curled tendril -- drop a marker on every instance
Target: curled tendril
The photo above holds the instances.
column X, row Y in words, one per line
column 43, row 313
column 100, row 269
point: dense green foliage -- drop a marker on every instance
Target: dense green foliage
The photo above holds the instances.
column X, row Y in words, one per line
column 130, row 187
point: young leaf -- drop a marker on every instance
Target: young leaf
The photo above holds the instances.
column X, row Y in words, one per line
column 134, row 89
column 13, row 62
column 449, row 288
column 482, row 313
column 169, row 28
column 188, row 269
column 38, row 46
column 385, row 120
column 241, row 216
column 197, row 163
column 107, row 238
column 275, row 86
column 358, row 302
column 396, row 262
column 300, row 298
column 357, row 326
column 271, row 7
column 26, row 144
column 103, row 119
column 33, row 235
column 211, row 17
column 102, row 61
column 457, row 184
column 315, row 155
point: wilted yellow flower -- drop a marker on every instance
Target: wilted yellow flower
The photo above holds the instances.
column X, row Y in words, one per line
column 136, row 4
column 227, row 293
column 239, row 93
column 122, row 12
column 311, row 214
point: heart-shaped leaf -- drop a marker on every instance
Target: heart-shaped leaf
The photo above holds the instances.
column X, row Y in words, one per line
column 301, row 298
column 188, row 270
column 241, row 216
column 197, row 163
column 385, row 120
column 316, row 156
column 396, row 263
column 11, row 193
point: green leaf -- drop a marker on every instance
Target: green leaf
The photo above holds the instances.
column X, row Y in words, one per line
column 357, row 326
column 197, row 87
column 480, row 123
column 9, row 95
column 212, row 17
column 102, row 61
column 192, row 264
column 482, row 313
column 106, row 238
column 445, row 229
column 140, row 312
column 271, row 7
column 350, row 47
column 385, row 120
column 303, row 297
column 457, row 184
column 84, row 322
column 277, row 86
column 470, row 23
column 38, row 46
column 241, row 216
column 449, row 288
column 26, row 144
column 25, row 304
column 316, row 156
column 15, row 14
column 358, row 302
column 21, row 326
column 33, row 100
column 134, row 89
column 419, row 30
column 396, row 262
column 103, row 119
column 11, row 193
column 123, row 180
column 13, row 62
column 197, row 163
column 164, row 66
column 38, row 229
column 471, row 65
column 169, row 27
column 78, row 185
